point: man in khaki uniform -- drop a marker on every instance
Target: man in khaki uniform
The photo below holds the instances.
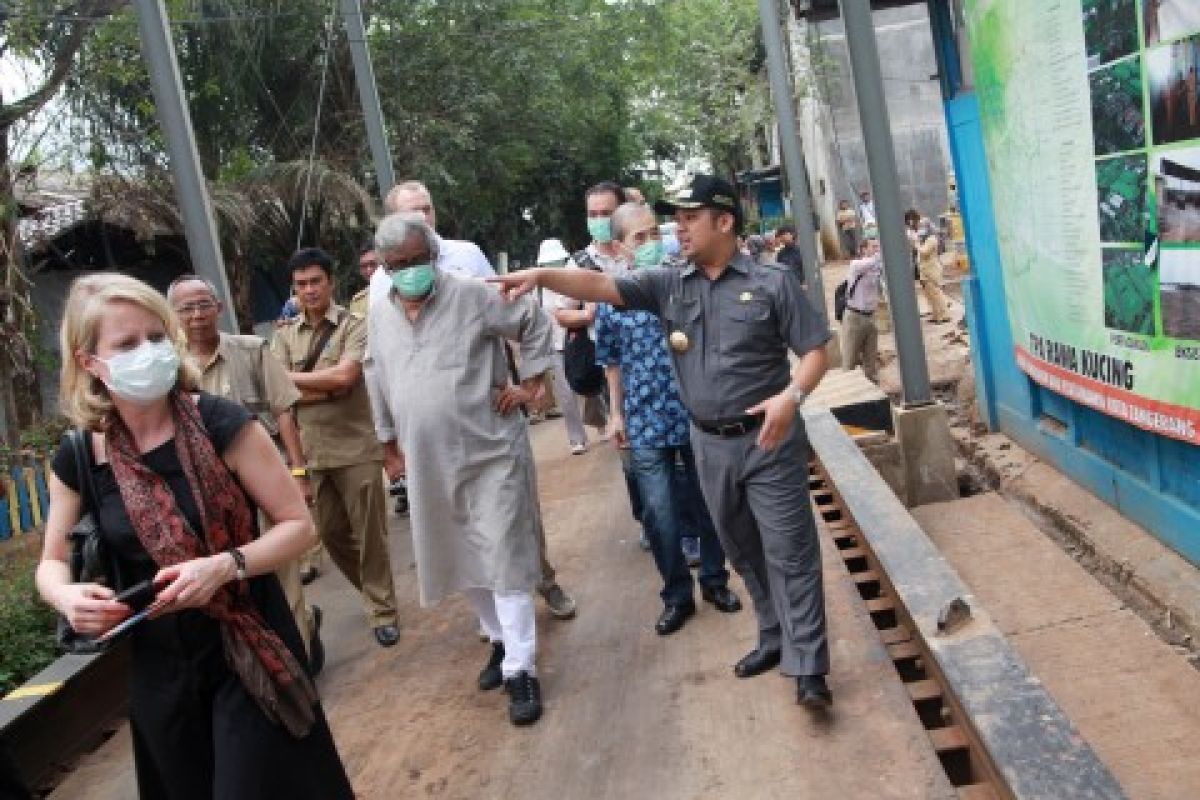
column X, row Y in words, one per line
column 241, row 369
column 323, row 351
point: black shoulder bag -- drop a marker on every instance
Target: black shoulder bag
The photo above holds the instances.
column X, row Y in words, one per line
column 90, row 560
column 584, row 375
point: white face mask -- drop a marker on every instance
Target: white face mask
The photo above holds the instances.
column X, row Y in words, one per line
column 145, row 373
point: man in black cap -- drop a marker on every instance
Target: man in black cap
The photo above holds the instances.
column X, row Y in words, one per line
column 730, row 324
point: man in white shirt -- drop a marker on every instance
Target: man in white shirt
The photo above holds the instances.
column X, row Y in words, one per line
column 860, row 336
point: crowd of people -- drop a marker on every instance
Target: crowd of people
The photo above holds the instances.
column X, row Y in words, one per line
column 220, row 469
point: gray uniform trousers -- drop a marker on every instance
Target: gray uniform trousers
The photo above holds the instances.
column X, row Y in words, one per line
column 760, row 505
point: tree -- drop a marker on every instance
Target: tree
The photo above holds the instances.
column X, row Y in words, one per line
column 48, row 35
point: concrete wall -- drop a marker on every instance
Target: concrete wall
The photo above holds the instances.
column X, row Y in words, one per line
column 909, row 66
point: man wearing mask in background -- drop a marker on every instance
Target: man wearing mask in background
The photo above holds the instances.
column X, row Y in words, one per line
column 323, row 350
column 649, row 419
column 603, row 255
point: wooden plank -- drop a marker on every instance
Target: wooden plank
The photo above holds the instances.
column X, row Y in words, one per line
column 870, row 576
column 948, row 739
column 976, row 791
column 902, row 651
column 853, row 552
column 924, row 690
column 880, row 604
column 896, row 635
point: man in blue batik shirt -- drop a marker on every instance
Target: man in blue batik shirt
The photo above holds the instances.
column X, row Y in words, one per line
column 649, row 418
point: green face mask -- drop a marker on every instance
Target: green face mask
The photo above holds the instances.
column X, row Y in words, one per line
column 414, row 282
column 600, row 229
column 649, row 254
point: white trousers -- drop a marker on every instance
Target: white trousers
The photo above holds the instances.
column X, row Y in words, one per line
column 508, row 617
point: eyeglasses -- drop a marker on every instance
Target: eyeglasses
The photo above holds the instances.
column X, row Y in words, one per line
column 192, row 309
column 399, row 264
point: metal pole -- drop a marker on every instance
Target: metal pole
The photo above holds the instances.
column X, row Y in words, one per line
column 368, row 96
column 793, row 158
column 191, row 192
column 885, row 186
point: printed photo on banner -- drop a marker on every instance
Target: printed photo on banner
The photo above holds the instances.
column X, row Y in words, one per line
column 1177, row 187
column 1179, row 287
column 1118, row 123
column 1170, row 19
column 1109, row 30
column 1121, row 195
column 1128, row 291
column 1171, row 71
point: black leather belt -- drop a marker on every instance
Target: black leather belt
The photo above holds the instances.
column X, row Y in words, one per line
column 863, row 313
column 737, row 426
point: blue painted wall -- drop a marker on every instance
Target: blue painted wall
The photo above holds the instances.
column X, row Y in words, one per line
column 1150, row 479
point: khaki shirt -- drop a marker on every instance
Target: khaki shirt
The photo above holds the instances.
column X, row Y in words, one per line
column 358, row 303
column 339, row 432
column 243, row 370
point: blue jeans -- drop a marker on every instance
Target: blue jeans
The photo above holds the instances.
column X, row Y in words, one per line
column 668, row 493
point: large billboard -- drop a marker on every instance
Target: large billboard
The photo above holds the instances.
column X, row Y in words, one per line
column 1091, row 123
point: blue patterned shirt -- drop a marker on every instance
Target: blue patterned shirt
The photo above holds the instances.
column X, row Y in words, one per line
column 635, row 342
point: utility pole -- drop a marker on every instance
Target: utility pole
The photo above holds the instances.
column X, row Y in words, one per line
column 793, row 158
column 885, row 186
column 191, row 192
column 368, row 96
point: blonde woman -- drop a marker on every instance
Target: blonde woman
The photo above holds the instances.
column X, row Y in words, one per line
column 220, row 703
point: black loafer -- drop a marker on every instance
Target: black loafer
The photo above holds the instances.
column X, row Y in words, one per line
column 387, row 635
column 316, row 648
column 756, row 662
column 813, row 693
column 491, row 677
column 309, row 575
column 672, row 618
column 722, row 598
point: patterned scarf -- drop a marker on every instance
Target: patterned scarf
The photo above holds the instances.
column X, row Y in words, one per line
column 267, row 669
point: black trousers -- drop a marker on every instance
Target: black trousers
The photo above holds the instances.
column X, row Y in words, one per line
column 199, row 735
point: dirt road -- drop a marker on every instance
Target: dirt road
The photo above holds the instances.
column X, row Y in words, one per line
column 629, row 714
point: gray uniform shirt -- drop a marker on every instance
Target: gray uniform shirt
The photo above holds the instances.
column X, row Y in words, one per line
column 739, row 329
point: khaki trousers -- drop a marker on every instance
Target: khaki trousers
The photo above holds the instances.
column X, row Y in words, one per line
column 860, row 343
column 350, row 511
column 930, row 272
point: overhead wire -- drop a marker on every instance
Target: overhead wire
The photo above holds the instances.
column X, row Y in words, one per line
column 312, row 151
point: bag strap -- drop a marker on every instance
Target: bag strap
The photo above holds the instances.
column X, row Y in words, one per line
column 318, row 344
column 83, row 466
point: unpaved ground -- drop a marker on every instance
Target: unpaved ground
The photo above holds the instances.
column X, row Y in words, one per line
column 628, row 714
column 1131, row 695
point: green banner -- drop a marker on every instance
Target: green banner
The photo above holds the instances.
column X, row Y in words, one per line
column 1091, row 123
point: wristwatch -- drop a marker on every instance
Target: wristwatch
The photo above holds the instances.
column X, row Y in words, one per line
column 799, row 396
column 299, row 472
column 239, row 561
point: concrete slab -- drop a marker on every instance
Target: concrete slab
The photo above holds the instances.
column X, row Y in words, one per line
column 1165, row 584
column 1130, row 695
column 629, row 714
column 928, row 452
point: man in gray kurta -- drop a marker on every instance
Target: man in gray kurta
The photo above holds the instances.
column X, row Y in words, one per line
column 437, row 344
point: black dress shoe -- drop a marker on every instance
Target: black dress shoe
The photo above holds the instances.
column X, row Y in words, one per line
column 490, row 677
column 387, row 635
column 672, row 618
column 756, row 662
column 722, row 598
column 316, row 648
column 309, row 575
column 524, row 699
column 813, row 693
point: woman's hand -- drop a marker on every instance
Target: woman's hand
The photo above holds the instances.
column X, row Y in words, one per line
column 89, row 607
column 191, row 584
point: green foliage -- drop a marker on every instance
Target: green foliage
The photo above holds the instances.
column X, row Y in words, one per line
column 26, row 623
column 506, row 109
